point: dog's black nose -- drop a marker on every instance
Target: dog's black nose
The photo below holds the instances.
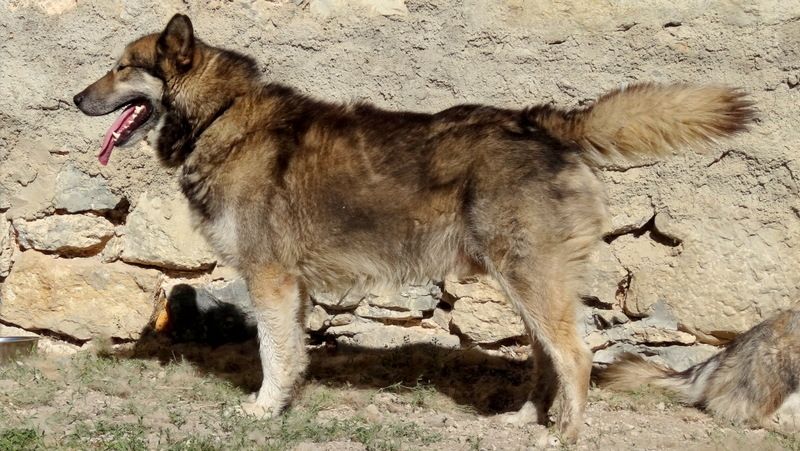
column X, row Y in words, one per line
column 78, row 99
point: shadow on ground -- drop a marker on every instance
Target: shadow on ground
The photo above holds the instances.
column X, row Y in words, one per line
column 219, row 339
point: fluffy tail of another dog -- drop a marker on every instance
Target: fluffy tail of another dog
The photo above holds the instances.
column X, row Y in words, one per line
column 647, row 119
column 630, row 371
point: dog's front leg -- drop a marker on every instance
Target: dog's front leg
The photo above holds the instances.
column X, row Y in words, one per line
column 276, row 302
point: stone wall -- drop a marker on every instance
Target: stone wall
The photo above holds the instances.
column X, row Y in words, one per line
column 701, row 248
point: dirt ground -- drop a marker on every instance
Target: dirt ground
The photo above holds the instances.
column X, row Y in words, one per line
column 155, row 395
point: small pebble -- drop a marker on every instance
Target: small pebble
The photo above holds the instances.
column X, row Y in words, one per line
column 371, row 412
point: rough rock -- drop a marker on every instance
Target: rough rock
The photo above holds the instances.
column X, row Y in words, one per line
column 381, row 7
column 720, row 260
column 411, row 298
column 604, row 319
column 333, row 302
column 677, row 357
column 233, row 291
column 53, row 346
column 660, row 315
column 77, row 191
column 213, row 312
column 680, row 358
column 440, row 319
column 640, row 256
column 474, row 287
column 631, row 215
column 64, row 234
column 222, row 272
column 159, row 232
column 358, row 325
column 664, row 225
column 637, row 333
column 370, row 311
column 79, row 298
column 605, row 327
column 6, row 246
column 597, row 340
column 342, row 319
column 655, row 336
column 49, row 7
column 408, row 303
column 5, row 198
column 11, row 331
column 27, row 178
column 372, row 335
column 481, row 312
column 45, row 345
column 112, row 250
column 605, row 274
column 317, row 318
column 606, row 355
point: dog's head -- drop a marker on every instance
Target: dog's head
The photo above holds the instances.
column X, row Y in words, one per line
column 139, row 84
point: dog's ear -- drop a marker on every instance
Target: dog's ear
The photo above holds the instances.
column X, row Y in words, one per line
column 177, row 41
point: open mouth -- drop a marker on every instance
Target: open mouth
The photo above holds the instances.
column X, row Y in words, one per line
column 133, row 116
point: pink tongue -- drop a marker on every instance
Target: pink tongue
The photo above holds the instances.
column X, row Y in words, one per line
column 108, row 141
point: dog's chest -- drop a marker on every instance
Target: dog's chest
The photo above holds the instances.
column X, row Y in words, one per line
column 221, row 232
column 214, row 218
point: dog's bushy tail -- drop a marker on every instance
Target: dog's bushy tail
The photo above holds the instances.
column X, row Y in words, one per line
column 647, row 119
column 631, row 371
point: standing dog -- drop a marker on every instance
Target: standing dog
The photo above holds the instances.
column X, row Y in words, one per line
column 302, row 195
column 746, row 383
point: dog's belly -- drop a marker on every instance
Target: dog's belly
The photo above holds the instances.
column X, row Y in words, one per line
column 375, row 263
column 369, row 263
column 379, row 232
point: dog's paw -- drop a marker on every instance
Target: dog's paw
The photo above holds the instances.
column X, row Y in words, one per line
column 568, row 431
column 524, row 416
column 260, row 408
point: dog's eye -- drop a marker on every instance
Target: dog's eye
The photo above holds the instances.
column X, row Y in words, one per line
column 121, row 66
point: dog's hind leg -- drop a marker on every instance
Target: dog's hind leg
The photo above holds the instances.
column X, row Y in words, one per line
column 538, row 405
column 546, row 382
column 538, row 288
column 277, row 305
column 538, row 270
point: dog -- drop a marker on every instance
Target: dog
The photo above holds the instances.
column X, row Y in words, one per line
column 749, row 381
column 303, row 196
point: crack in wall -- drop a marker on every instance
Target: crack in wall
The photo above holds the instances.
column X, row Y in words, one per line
column 47, row 333
column 789, row 170
column 729, row 152
column 616, row 168
column 654, row 234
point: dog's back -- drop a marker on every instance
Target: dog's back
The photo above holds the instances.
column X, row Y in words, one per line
column 746, row 382
column 381, row 197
